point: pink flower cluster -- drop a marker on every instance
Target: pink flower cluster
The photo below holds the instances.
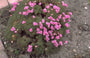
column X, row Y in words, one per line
column 55, row 43
column 14, row 6
column 49, row 29
column 29, row 10
column 13, row 29
column 32, row 4
column 57, row 9
column 64, row 4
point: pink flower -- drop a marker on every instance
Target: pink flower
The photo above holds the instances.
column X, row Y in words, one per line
column 57, row 19
column 67, row 25
column 38, row 29
column 47, row 6
column 25, row 13
column 12, row 9
column 60, row 16
column 64, row 19
column 64, row 4
column 67, row 16
column 57, row 27
column 60, row 42
column 48, row 24
column 51, row 18
column 20, row 13
column 60, row 35
column 26, row 7
column 51, row 14
column 55, row 23
column 31, row 30
column 66, row 42
column 45, row 10
column 52, row 37
column 57, row 37
column 67, row 31
column 51, row 9
column 13, row 29
column 43, row 20
column 39, row 32
column 54, row 34
column 41, row 26
column 23, row 22
column 52, row 28
column 35, row 23
column 63, row 13
column 33, row 16
column 15, row 3
column 48, row 11
column 32, row 10
column 50, row 32
column 51, row 4
column 57, row 9
column 70, row 13
column 40, row 3
column 25, row 3
column 55, row 43
column 69, row 20
column 47, row 38
column 10, row 15
column 29, row 48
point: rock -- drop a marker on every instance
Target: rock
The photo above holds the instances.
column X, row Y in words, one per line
column 4, row 42
column 24, row 56
column 83, row 27
column 89, row 47
column 74, row 50
column 86, row 8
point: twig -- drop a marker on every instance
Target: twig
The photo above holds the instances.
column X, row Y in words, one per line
column 8, row 4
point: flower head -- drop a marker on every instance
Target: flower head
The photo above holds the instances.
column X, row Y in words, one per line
column 23, row 22
column 35, row 23
column 31, row 30
column 29, row 48
column 13, row 29
column 67, row 25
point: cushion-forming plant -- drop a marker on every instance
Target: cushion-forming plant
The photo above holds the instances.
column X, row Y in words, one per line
column 37, row 26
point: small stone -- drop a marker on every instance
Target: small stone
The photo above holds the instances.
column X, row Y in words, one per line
column 85, row 27
column 85, row 23
column 4, row 42
column 86, row 8
column 11, row 41
column 74, row 50
column 75, row 54
column 80, row 32
column 13, row 35
column 89, row 47
column 46, row 49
